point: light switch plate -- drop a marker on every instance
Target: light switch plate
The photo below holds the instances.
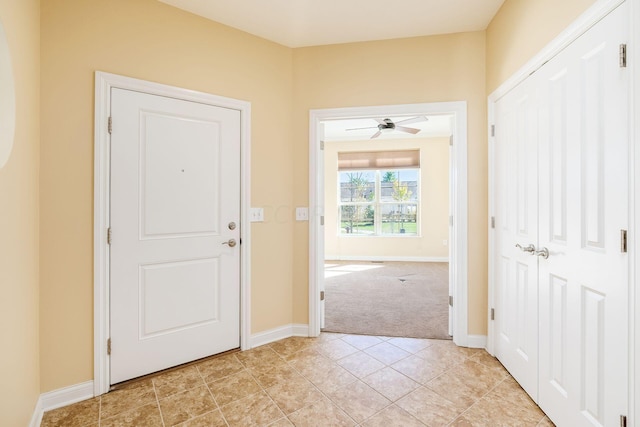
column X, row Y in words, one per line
column 302, row 214
column 256, row 215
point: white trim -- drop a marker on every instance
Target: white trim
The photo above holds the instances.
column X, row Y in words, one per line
column 458, row 266
column 103, row 84
column 38, row 412
column 386, row 258
column 633, row 53
column 300, row 330
column 491, row 233
column 279, row 333
column 477, row 341
column 66, row 396
column 61, row 397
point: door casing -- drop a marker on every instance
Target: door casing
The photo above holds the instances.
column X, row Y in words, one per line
column 458, row 202
column 103, row 84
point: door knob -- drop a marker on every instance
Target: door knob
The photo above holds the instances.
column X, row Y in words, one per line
column 231, row 243
column 530, row 248
column 544, row 253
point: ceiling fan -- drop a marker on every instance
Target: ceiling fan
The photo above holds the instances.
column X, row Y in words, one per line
column 387, row 125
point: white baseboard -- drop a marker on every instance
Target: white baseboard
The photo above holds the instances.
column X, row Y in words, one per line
column 38, row 412
column 279, row 333
column 59, row 398
column 386, row 258
column 300, row 330
column 477, row 341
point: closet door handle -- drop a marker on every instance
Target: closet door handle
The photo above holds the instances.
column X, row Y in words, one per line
column 231, row 243
column 530, row 248
column 544, row 253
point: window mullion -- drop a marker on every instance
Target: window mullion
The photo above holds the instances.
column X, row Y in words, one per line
column 377, row 213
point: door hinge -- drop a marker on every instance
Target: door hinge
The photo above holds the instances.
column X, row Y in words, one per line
column 623, row 56
column 493, row 314
column 451, row 220
column 493, row 130
column 109, row 236
column 623, row 241
column 322, row 145
column 109, row 346
column 493, row 222
column 321, row 295
column 109, row 125
column 451, row 300
column 322, row 220
column 623, row 421
column 451, row 140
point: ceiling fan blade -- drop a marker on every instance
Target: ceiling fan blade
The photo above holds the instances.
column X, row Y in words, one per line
column 408, row 130
column 375, row 135
column 371, row 127
column 412, row 120
column 382, row 121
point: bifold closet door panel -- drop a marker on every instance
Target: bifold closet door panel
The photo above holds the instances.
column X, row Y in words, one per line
column 516, row 319
column 583, row 195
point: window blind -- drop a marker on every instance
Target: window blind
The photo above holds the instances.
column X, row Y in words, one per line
column 361, row 160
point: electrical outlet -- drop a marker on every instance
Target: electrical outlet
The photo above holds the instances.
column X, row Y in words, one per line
column 256, row 215
column 302, row 214
column 444, row 242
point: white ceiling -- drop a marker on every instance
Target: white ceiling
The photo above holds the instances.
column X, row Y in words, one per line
column 298, row 23
column 435, row 126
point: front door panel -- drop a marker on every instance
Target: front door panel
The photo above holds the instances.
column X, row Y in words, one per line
column 175, row 186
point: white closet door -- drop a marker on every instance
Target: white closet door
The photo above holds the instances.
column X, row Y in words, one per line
column 516, row 317
column 583, row 206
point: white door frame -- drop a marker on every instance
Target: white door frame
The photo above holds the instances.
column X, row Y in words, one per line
column 634, row 216
column 585, row 21
column 458, row 202
column 103, row 84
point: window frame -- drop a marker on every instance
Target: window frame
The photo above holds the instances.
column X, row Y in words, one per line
column 377, row 203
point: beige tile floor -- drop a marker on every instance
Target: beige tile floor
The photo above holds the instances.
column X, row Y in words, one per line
column 333, row 380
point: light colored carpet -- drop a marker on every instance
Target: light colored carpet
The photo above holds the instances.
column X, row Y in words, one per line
column 399, row 299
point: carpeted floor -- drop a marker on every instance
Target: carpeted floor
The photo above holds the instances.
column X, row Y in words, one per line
column 399, row 299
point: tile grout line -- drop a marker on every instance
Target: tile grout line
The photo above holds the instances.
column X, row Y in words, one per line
column 218, row 407
column 155, row 392
column 478, row 400
column 264, row 389
column 99, row 410
column 360, row 380
column 310, row 382
column 318, row 389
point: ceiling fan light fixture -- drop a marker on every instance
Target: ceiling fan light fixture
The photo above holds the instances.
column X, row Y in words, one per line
column 387, row 125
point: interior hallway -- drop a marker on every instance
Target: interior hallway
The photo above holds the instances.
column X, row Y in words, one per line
column 333, row 380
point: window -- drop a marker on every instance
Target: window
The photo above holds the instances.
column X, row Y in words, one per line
column 380, row 201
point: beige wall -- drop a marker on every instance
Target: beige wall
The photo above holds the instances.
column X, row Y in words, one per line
column 414, row 70
column 19, row 358
column 434, row 203
column 520, row 29
column 149, row 40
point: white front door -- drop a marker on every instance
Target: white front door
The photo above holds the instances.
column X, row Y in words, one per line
column 516, row 316
column 175, row 211
column 584, row 152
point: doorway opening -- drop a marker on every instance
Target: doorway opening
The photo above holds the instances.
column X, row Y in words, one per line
column 370, row 213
